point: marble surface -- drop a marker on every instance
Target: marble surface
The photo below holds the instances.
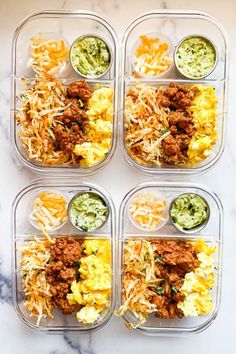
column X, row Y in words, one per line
column 114, row 337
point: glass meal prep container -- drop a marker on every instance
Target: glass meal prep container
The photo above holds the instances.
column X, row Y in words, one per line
column 211, row 234
column 67, row 25
column 23, row 231
column 176, row 25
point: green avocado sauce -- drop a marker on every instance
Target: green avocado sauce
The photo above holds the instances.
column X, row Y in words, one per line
column 90, row 56
column 195, row 57
column 189, row 211
column 88, row 211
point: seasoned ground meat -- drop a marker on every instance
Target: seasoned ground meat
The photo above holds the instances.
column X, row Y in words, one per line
column 177, row 96
column 62, row 271
column 80, row 89
column 177, row 99
column 74, row 113
column 177, row 253
column 175, row 259
column 72, row 128
column 67, row 138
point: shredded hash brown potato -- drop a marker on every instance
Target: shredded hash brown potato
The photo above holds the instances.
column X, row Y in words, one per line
column 35, row 256
column 42, row 105
column 136, row 292
column 145, row 124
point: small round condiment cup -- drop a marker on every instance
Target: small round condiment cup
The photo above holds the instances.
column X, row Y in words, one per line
column 196, row 228
column 161, row 223
column 34, row 223
column 176, row 51
column 53, row 36
column 69, row 210
column 108, row 47
column 163, row 38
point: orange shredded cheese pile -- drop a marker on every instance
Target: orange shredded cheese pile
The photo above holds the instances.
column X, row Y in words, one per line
column 49, row 210
column 48, row 56
column 147, row 210
column 152, row 56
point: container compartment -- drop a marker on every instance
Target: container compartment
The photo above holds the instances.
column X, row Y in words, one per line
column 70, row 25
column 211, row 234
column 176, row 25
column 23, row 231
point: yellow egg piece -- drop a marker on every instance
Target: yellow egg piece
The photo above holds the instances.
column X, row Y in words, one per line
column 198, row 283
column 94, row 289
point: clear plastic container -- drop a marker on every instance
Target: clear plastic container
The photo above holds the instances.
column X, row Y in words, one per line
column 22, row 230
column 211, row 233
column 177, row 24
column 70, row 24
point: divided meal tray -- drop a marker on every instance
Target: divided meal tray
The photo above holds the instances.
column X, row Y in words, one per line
column 211, row 234
column 23, row 231
column 70, row 25
column 177, row 25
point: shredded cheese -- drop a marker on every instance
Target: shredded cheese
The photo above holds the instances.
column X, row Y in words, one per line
column 48, row 56
column 152, row 57
column 148, row 210
column 49, row 210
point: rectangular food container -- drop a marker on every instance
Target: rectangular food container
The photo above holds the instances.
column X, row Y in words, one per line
column 70, row 24
column 22, row 231
column 211, row 234
column 177, row 24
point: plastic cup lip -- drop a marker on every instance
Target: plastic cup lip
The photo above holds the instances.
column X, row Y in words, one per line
column 34, row 223
column 109, row 49
column 162, row 37
column 52, row 36
column 196, row 228
column 206, row 39
column 161, row 223
column 69, row 210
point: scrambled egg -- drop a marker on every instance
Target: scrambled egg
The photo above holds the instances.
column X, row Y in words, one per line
column 198, row 283
column 92, row 153
column 94, row 289
column 204, row 111
column 100, row 114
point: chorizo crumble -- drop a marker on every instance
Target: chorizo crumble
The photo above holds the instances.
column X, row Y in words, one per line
column 61, row 271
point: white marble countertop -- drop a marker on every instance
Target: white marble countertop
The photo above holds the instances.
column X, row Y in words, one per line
column 114, row 337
